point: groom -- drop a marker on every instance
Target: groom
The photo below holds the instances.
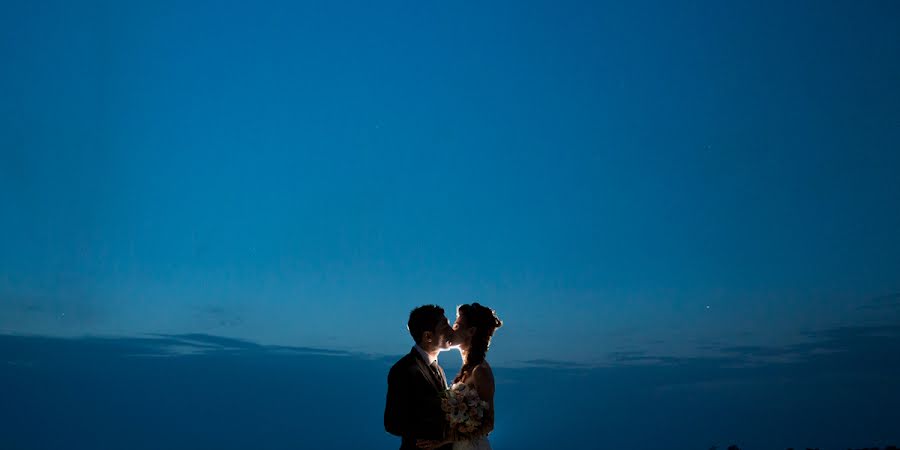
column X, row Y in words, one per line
column 413, row 408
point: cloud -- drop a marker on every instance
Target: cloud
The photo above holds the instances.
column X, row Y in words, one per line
column 885, row 302
column 554, row 364
column 20, row 348
column 847, row 350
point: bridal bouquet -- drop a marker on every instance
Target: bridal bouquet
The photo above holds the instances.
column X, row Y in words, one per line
column 464, row 410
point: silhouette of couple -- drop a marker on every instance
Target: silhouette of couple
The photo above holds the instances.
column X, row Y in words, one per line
column 420, row 408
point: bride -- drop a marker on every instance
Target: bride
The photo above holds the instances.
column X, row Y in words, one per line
column 472, row 332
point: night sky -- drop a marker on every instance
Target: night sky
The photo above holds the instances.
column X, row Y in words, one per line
column 645, row 192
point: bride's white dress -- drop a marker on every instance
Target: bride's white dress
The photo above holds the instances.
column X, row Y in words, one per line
column 481, row 443
column 478, row 444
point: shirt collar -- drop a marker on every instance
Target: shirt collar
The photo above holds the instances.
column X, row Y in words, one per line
column 425, row 355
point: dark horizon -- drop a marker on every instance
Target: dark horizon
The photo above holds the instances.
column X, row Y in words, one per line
column 199, row 391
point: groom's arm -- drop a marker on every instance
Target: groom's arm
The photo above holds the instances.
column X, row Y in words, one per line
column 411, row 410
column 431, row 422
column 396, row 408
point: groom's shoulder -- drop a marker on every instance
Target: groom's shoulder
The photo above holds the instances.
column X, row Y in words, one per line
column 405, row 363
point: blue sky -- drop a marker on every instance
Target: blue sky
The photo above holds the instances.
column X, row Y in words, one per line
column 653, row 177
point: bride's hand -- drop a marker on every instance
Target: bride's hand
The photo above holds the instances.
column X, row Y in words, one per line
column 430, row 444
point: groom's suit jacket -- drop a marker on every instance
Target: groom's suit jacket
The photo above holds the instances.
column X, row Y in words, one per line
column 413, row 408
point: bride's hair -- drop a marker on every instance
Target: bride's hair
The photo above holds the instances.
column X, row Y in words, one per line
column 485, row 321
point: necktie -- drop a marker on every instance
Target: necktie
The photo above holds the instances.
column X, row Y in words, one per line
column 437, row 373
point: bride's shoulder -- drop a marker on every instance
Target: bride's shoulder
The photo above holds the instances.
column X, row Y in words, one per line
column 483, row 373
column 483, row 381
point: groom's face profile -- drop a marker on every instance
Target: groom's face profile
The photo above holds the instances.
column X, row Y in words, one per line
column 439, row 338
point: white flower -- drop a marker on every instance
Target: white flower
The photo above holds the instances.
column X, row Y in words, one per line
column 463, row 407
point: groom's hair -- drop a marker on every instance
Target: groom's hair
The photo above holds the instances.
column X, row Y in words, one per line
column 422, row 319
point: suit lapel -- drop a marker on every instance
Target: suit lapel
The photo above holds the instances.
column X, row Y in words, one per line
column 426, row 371
column 443, row 377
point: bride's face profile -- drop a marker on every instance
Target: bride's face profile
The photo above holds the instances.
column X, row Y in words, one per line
column 462, row 333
